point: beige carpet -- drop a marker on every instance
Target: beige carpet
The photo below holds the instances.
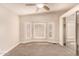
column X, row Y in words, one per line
column 39, row 49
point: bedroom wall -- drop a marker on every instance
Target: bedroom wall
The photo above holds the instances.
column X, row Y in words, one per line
column 9, row 29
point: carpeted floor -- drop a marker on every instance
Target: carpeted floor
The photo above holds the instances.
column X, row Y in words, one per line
column 39, row 49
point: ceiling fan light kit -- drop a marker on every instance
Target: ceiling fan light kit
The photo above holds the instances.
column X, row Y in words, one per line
column 40, row 5
column 46, row 7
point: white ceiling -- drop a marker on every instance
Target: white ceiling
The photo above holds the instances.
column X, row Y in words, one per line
column 22, row 9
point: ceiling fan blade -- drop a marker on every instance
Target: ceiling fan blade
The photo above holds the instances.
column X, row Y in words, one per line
column 30, row 4
column 46, row 7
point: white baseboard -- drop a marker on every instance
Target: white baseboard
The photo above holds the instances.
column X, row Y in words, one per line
column 27, row 41
column 3, row 53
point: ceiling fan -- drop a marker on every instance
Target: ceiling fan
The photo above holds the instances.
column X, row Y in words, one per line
column 38, row 6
